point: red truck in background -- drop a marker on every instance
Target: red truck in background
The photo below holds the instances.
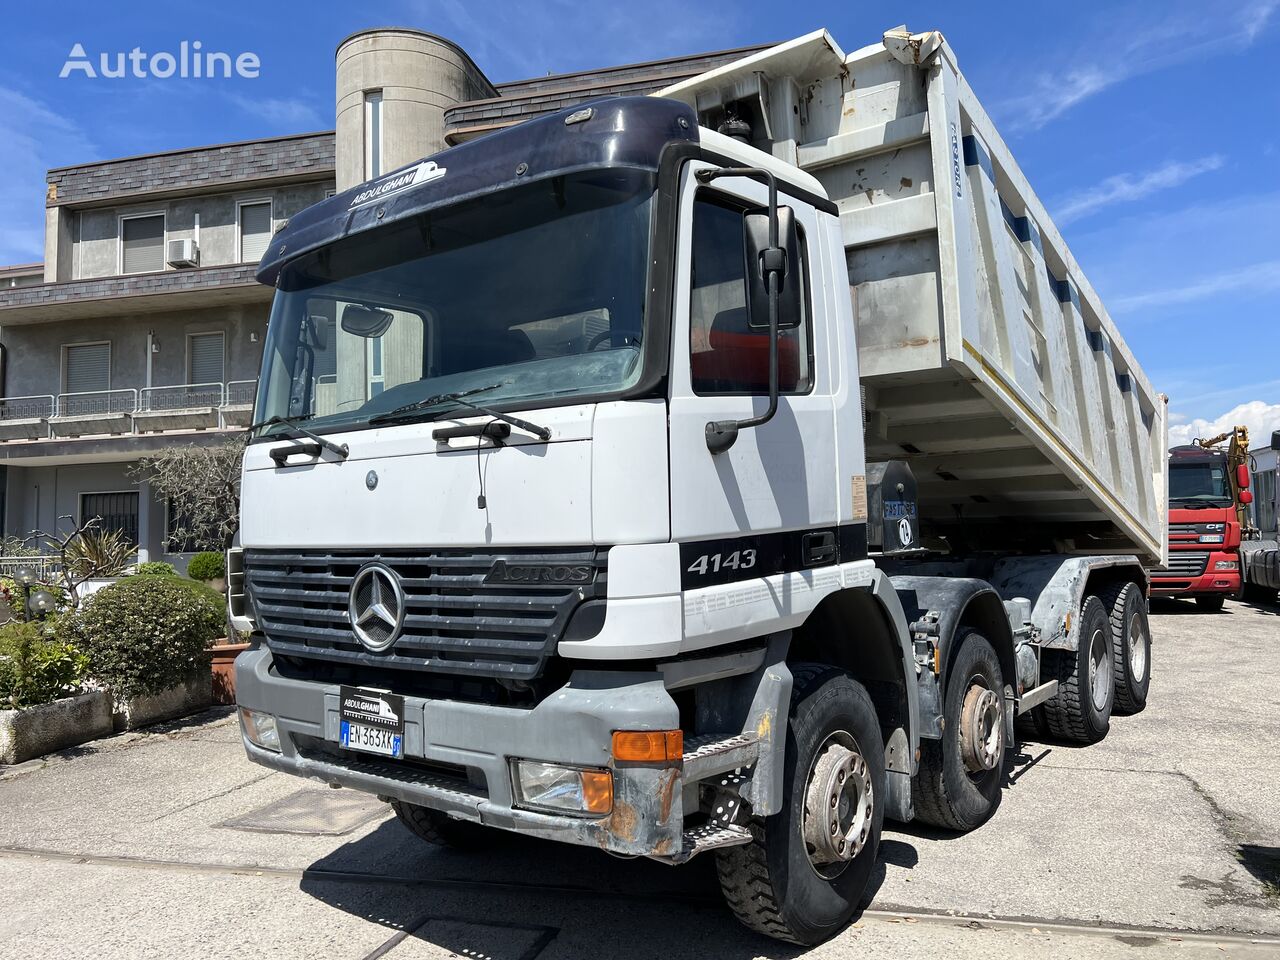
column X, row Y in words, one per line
column 1208, row 494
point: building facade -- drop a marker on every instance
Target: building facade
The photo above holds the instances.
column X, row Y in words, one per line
column 142, row 329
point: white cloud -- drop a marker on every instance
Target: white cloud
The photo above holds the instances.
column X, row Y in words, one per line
column 293, row 114
column 1116, row 53
column 24, row 160
column 1255, row 279
column 1259, row 416
column 1127, row 187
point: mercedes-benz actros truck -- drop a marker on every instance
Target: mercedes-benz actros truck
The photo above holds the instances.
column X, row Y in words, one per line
column 722, row 470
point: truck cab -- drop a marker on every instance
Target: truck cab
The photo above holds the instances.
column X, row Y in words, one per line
column 1204, row 529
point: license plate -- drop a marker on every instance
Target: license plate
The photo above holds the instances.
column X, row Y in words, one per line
column 371, row 721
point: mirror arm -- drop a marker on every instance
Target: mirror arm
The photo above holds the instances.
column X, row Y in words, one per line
column 723, row 434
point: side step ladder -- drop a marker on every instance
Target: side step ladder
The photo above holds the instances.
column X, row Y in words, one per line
column 721, row 762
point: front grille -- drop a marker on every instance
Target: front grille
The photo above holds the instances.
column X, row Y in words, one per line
column 1182, row 529
column 454, row 622
column 1188, row 563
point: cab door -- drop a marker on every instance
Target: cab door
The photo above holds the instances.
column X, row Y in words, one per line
column 768, row 505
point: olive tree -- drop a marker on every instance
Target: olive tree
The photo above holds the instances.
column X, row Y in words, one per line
column 202, row 487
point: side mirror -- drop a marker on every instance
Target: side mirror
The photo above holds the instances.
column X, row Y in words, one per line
column 1275, row 439
column 791, row 283
column 1242, row 476
column 367, row 322
column 1246, row 497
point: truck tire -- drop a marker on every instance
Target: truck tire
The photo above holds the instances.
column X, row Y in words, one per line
column 1081, row 711
column 958, row 784
column 440, row 829
column 1211, row 604
column 1131, row 644
column 799, row 880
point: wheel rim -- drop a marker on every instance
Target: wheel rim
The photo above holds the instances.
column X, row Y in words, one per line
column 1137, row 648
column 838, row 806
column 981, row 728
column 1100, row 665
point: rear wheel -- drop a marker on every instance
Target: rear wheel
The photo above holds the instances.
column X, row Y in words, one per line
column 804, row 873
column 440, row 829
column 1086, row 680
column 1131, row 645
column 958, row 785
column 1211, row 604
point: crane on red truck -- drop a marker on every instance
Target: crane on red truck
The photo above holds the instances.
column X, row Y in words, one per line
column 1208, row 519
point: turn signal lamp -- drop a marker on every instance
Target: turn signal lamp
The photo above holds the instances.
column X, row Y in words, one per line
column 648, row 746
column 562, row 789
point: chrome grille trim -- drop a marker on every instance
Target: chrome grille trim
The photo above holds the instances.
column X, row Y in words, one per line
column 454, row 622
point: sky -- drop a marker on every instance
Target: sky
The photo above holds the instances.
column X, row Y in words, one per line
column 1149, row 129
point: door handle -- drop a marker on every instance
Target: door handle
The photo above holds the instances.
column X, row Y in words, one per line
column 818, row 548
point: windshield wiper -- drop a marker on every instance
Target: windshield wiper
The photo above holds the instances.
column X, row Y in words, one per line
column 542, row 433
column 337, row 449
column 399, row 413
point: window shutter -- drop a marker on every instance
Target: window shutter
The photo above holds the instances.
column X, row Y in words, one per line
column 88, row 368
column 255, row 231
column 143, row 239
column 206, row 357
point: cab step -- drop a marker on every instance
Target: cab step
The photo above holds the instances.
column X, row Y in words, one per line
column 711, row 754
column 709, row 836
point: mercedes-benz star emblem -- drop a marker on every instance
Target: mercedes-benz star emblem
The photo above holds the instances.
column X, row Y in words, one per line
column 376, row 607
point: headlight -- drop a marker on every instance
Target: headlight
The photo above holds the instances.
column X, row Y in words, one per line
column 1226, row 565
column 550, row 786
column 260, row 728
column 1210, row 538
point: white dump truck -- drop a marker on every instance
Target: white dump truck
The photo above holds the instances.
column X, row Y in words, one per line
column 722, row 470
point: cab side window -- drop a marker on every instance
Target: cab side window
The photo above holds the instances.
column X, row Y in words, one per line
column 726, row 355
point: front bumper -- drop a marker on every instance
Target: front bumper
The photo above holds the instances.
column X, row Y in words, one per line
column 457, row 755
column 1168, row 583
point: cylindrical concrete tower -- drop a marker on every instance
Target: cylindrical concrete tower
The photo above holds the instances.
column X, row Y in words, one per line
column 394, row 85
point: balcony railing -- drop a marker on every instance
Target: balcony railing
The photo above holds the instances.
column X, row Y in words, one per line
column 149, row 409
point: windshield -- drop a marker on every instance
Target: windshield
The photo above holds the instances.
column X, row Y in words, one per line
column 535, row 294
column 1200, row 481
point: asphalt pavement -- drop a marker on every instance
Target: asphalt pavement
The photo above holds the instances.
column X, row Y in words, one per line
column 1163, row 839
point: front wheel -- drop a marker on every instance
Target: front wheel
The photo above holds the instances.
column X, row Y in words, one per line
column 804, row 872
column 958, row 786
column 440, row 829
column 1211, row 604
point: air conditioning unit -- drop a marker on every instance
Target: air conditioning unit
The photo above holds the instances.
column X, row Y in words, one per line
column 182, row 253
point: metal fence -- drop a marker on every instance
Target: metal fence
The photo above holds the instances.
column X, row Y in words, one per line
column 45, row 569
column 128, row 401
column 181, row 396
column 97, row 402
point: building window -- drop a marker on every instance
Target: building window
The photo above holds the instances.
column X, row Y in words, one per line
column 206, row 353
column 117, row 511
column 372, row 134
column 142, row 243
column 727, row 356
column 255, row 229
column 86, row 367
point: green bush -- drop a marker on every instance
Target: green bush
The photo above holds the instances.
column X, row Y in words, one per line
column 147, row 633
column 157, row 568
column 36, row 668
column 207, row 566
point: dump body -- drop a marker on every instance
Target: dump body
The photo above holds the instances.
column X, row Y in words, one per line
column 986, row 357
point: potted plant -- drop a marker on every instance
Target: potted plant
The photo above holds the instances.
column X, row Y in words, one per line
column 145, row 638
column 43, row 704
